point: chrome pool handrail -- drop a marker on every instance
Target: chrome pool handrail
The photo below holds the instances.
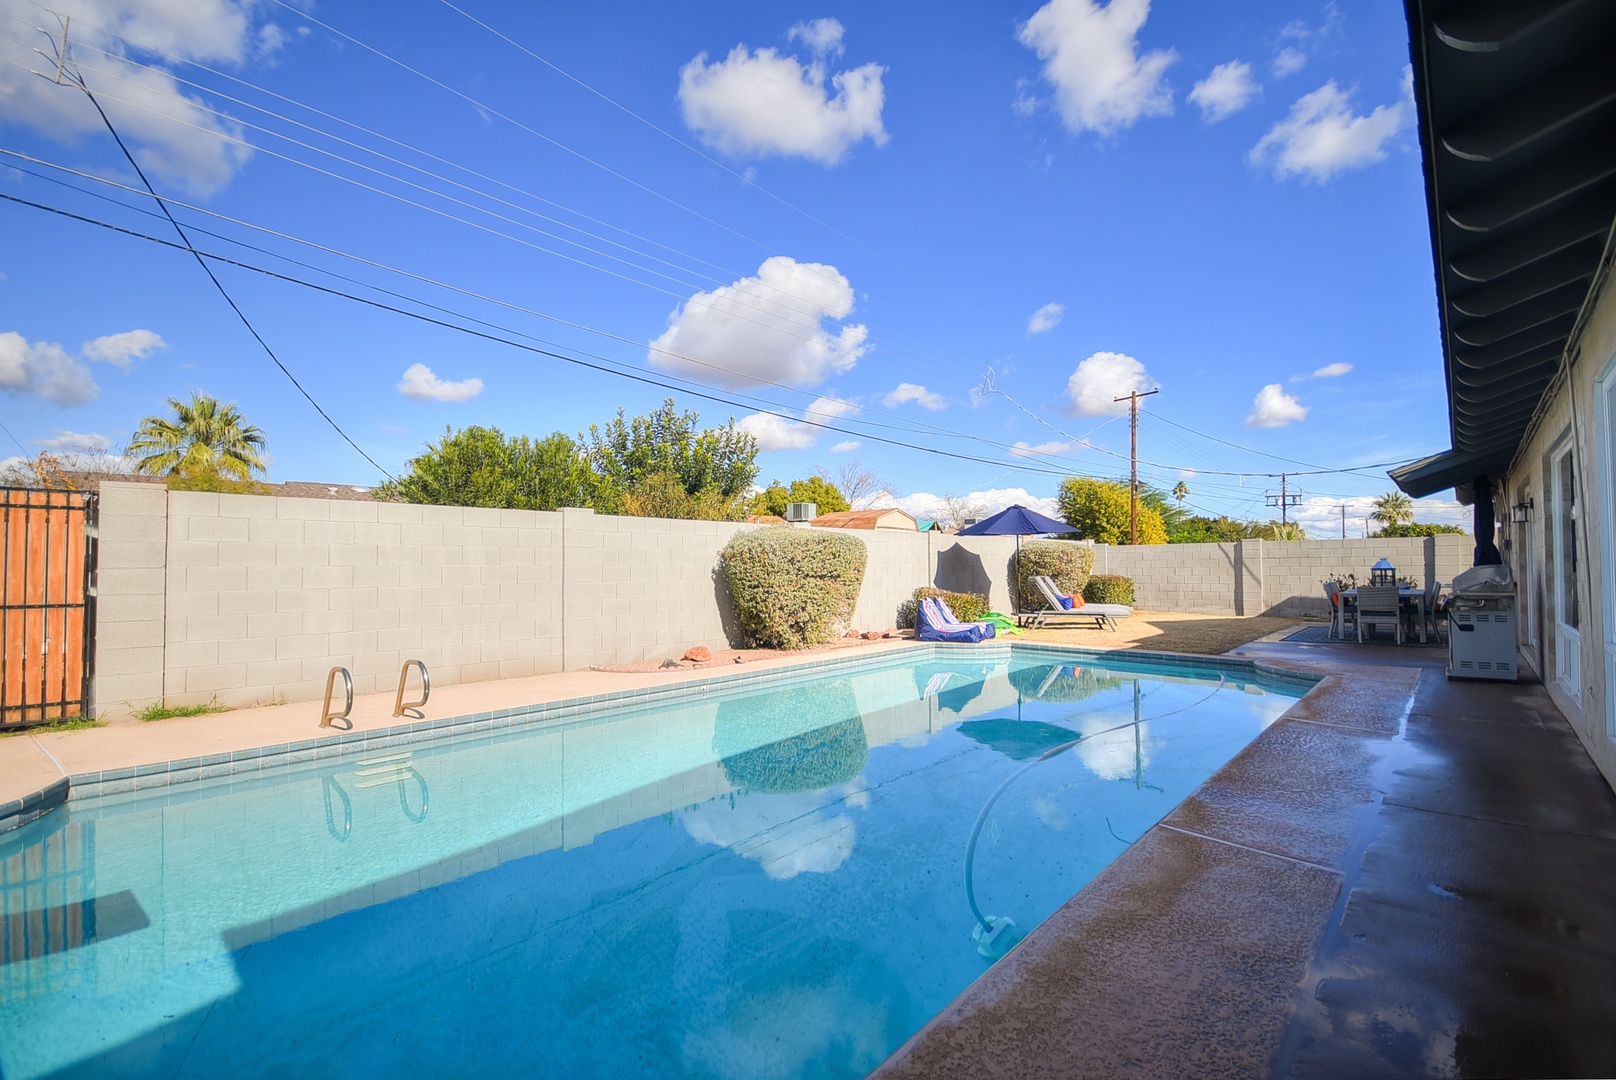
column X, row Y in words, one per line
column 327, row 717
column 399, row 707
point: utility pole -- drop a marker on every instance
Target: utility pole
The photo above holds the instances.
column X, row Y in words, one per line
column 1133, row 458
column 1343, row 521
column 1284, row 500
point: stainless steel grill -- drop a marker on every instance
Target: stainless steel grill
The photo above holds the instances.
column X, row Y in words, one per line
column 1481, row 625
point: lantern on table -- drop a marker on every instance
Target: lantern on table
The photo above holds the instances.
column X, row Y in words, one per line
column 1383, row 573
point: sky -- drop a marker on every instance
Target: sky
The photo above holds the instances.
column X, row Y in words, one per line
column 935, row 242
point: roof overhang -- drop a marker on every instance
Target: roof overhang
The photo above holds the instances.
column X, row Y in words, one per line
column 1517, row 116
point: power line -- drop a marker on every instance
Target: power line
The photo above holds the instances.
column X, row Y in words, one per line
column 61, row 73
column 488, row 336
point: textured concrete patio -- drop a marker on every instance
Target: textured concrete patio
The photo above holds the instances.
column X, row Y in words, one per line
column 1402, row 877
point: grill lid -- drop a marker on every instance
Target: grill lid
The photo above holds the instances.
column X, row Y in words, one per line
column 1485, row 579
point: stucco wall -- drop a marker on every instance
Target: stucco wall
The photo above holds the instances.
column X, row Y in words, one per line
column 1571, row 412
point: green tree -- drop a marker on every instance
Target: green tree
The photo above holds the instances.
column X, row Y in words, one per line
column 662, row 495
column 625, row 453
column 1099, row 510
column 1212, row 530
column 1281, row 530
column 815, row 489
column 204, row 438
column 1394, row 508
column 1181, row 491
column 1417, row 528
column 480, row 466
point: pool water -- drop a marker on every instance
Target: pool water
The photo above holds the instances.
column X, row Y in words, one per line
column 748, row 885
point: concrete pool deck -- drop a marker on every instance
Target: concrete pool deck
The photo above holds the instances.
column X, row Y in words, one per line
column 1402, row 876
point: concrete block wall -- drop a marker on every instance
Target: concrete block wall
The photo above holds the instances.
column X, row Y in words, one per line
column 1199, row 578
column 898, row 563
column 130, row 596
column 642, row 588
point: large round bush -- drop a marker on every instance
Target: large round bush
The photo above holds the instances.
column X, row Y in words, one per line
column 793, row 587
column 1068, row 563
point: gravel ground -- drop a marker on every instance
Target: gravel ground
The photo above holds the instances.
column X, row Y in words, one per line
column 1156, row 631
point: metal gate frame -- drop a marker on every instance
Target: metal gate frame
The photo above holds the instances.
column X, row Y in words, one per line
column 64, row 687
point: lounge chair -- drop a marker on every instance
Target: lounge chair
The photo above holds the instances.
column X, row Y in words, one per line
column 1101, row 616
column 934, row 622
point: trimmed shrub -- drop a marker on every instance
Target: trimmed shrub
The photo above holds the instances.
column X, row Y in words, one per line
column 793, row 587
column 1069, row 564
column 1109, row 589
column 966, row 606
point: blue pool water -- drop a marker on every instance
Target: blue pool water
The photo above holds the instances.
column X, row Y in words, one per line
column 748, row 885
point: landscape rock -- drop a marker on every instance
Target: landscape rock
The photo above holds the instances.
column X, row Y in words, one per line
column 700, row 654
column 872, row 635
column 671, row 664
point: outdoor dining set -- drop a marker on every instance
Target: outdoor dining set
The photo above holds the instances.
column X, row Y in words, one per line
column 1385, row 601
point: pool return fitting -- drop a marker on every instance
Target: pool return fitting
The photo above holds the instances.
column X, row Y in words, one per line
column 327, row 717
column 413, row 709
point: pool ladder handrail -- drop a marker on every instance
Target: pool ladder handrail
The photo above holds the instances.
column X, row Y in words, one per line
column 327, row 717
column 399, row 706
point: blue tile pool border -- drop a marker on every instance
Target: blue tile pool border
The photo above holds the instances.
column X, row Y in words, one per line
column 247, row 763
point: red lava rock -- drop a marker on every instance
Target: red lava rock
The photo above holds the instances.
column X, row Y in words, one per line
column 871, row 635
column 700, row 654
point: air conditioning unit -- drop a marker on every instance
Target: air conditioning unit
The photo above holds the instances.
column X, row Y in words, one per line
column 801, row 511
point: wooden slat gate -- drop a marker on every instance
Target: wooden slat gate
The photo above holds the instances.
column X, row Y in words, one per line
column 47, row 605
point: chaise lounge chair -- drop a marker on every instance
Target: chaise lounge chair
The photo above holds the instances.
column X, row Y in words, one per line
column 1102, row 616
column 934, row 622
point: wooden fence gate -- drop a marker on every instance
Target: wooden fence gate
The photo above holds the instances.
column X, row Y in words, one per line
column 47, row 605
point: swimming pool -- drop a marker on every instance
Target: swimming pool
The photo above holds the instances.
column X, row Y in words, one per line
column 737, row 883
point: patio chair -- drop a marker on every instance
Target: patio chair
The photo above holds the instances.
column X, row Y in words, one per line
column 1342, row 608
column 934, row 622
column 1102, row 616
column 1379, row 604
column 1433, row 609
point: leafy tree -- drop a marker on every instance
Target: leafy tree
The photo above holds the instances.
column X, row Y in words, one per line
column 1394, row 508
column 479, row 466
column 815, row 489
column 205, row 437
column 663, row 495
column 1099, row 510
column 1417, row 528
column 1171, row 513
column 1281, row 530
column 625, row 453
column 1211, row 530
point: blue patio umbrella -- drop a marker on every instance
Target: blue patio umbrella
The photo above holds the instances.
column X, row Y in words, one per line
column 1016, row 521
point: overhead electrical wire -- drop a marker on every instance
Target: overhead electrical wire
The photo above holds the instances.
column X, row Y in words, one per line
column 488, row 336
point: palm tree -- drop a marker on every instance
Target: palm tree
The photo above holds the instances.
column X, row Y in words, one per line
column 1180, row 491
column 204, row 437
column 1393, row 508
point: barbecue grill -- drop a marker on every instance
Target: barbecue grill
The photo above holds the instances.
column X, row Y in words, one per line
column 1481, row 625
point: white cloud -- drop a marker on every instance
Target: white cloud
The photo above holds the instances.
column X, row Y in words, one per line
column 775, row 432
column 1022, row 449
column 1322, row 136
column 43, row 370
column 1045, row 318
column 846, row 447
column 422, row 384
column 823, row 36
column 763, row 329
column 171, row 133
column 1091, row 56
column 1332, row 371
column 1226, row 91
column 1272, row 407
column 785, row 835
column 125, row 348
column 925, row 504
column 75, row 440
column 1100, row 379
column 1288, row 61
column 754, row 104
column 1321, row 517
column 907, row 392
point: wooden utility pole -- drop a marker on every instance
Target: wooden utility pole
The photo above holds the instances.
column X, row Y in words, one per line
column 1284, row 500
column 1133, row 458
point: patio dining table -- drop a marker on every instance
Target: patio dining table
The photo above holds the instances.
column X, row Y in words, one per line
column 1407, row 598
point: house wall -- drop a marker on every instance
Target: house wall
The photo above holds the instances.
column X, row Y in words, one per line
column 1572, row 410
column 248, row 599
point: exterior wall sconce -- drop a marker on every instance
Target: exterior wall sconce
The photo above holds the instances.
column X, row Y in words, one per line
column 1522, row 512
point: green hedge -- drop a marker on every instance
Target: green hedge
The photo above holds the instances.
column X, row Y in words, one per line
column 966, row 606
column 1109, row 589
column 1068, row 563
column 793, row 587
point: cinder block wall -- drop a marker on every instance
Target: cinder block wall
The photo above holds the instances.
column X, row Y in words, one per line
column 251, row 599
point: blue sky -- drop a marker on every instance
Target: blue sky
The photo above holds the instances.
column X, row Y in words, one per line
column 848, row 216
